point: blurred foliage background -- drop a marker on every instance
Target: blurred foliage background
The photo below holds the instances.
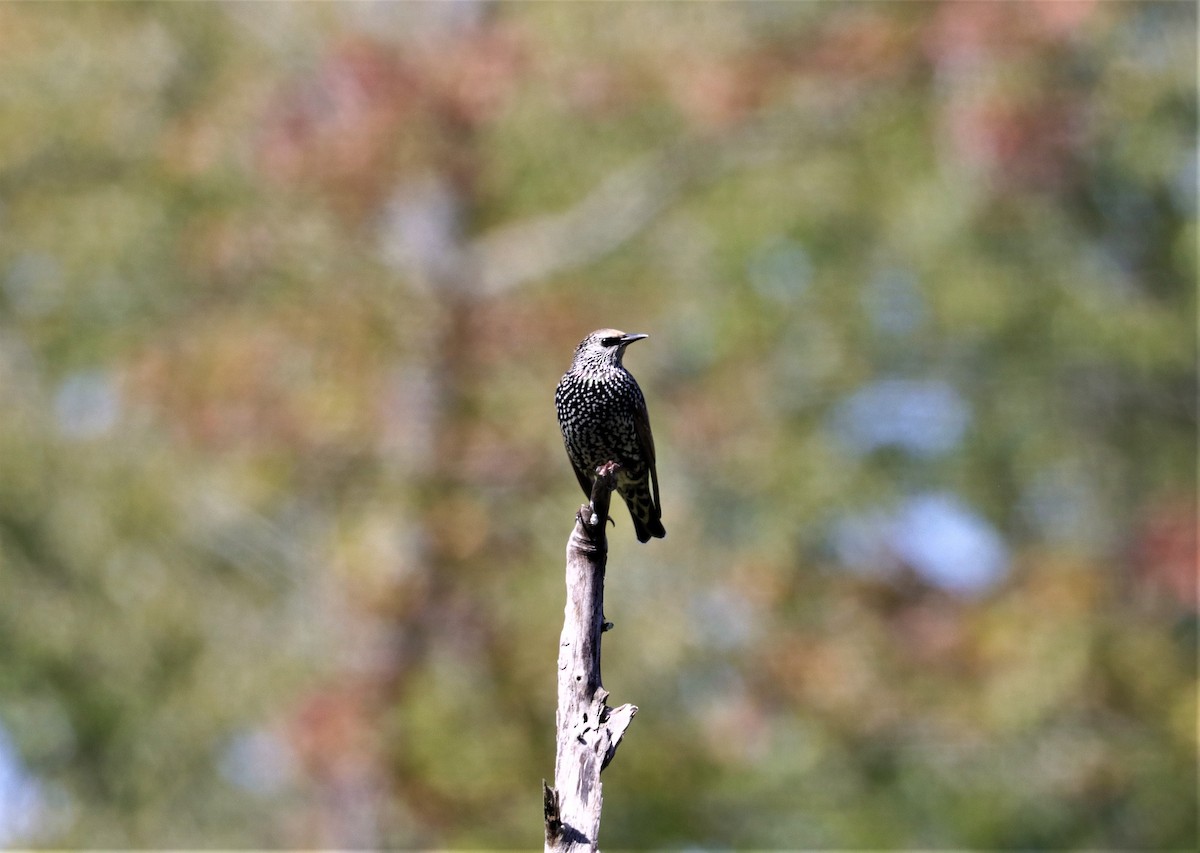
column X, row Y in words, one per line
column 284, row 294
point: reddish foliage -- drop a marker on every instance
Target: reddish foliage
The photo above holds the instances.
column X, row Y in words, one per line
column 969, row 32
column 368, row 110
column 1165, row 551
column 1019, row 144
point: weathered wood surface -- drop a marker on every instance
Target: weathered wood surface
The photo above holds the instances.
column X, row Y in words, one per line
column 588, row 731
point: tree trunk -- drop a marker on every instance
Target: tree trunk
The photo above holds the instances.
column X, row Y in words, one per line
column 588, row 731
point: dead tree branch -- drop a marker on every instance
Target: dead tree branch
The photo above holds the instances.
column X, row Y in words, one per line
column 588, row 731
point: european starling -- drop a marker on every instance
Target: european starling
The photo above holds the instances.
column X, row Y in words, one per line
column 603, row 418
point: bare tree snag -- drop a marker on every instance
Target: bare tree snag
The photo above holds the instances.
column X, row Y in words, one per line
column 588, row 731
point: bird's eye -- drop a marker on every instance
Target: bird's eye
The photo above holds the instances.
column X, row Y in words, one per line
column 610, row 342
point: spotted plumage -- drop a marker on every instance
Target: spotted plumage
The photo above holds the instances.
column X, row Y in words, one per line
column 602, row 414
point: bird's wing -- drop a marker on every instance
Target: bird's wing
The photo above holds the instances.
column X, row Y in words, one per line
column 641, row 423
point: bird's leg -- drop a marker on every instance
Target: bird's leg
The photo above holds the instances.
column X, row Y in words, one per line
column 608, row 473
column 602, row 489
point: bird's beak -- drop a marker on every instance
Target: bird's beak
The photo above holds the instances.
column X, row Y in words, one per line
column 626, row 340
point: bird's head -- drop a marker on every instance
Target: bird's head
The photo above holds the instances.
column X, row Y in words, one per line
column 604, row 347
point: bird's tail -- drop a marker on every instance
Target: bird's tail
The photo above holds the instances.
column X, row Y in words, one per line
column 647, row 517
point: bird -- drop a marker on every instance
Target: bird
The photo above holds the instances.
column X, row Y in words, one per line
column 602, row 415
